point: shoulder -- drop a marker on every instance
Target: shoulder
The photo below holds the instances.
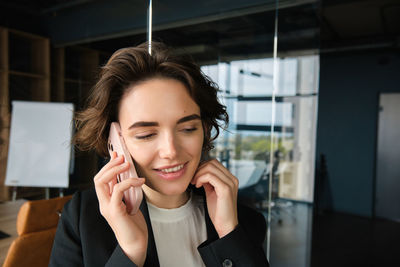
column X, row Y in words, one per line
column 88, row 195
column 83, row 208
column 83, row 213
column 82, row 200
column 82, row 232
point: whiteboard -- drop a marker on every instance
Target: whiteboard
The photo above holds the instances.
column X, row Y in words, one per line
column 40, row 144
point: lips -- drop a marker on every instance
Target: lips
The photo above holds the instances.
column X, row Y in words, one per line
column 173, row 169
column 172, row 172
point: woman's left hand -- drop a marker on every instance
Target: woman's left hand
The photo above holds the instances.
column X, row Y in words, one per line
column 221, row 189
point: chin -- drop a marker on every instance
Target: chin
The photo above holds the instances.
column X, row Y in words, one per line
column 174, row 191
column 170, row 189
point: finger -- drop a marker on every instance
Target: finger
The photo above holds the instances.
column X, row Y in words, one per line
column 114, row 161
column 112, row 173
column 217, row 165
column 220, row 187
column 120, row 188
column 208, row 188
column 112, row 184
column 212, row 170
column 216, row 172
column 203, row 164
column 103, row 192
column 221, row 167
column 102, row 183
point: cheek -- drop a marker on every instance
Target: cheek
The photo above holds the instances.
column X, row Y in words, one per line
column 141, row 155
column 195, row 145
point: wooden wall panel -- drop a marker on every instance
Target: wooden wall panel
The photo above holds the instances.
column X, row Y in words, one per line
column 41, row 65
column 4, row 112
column 58, row 75
column 37, row 79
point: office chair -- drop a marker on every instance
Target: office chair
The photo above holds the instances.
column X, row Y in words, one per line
column 36, row 227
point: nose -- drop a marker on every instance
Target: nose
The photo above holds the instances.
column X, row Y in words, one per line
column 167, row 148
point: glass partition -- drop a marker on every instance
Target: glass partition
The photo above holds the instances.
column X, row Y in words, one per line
column 270, row 142
column 265, row 59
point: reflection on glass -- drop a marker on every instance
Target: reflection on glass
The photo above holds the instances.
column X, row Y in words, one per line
column 253, row 77
column 150, row 24
column 259, row 113
column 246, row 88
column 246, row 148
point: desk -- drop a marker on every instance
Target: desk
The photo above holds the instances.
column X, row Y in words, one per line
column 8, row 220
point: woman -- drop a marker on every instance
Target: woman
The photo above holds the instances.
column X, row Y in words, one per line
column 167, row 110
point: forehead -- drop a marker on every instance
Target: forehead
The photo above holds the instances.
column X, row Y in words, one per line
column 157, row 99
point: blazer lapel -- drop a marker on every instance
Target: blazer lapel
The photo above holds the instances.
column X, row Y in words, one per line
column 152, row 256
column 212, row 234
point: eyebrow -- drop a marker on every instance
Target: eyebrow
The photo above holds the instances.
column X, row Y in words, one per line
column 151, row 123
column 189, row 118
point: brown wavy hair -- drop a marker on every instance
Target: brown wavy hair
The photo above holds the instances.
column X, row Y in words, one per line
column 130, row 66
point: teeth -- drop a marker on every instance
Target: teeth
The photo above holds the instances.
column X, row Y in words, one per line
column 174, row 169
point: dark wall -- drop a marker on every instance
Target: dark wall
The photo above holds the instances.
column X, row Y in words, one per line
column 350, row 84
column 103, row 19
column 20, row 20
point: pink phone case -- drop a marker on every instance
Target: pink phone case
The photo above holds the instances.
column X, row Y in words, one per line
column 132, row 197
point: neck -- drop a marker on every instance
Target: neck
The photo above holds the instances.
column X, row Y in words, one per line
column 164, row 201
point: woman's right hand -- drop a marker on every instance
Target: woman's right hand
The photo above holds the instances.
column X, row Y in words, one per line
column 130, row 230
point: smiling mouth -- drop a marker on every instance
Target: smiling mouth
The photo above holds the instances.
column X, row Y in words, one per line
column 173, row 169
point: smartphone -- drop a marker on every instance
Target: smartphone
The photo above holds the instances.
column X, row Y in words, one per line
column 134, row 195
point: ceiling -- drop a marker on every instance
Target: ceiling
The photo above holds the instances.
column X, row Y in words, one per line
column 328, row 25
column 368, row 22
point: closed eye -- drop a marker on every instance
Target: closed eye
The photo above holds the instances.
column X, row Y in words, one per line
column 188, row 130
column 144, row 137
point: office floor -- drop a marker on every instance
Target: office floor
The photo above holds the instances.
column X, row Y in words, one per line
column 332, row 239
column 348, row 240
column 298, row 239
column 291, row 228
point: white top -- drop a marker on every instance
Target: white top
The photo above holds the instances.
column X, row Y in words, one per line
column 178, row 232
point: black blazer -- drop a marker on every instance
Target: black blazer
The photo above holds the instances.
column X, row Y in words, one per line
column 84, row 238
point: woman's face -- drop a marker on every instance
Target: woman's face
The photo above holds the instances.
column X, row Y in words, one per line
column 163, row 131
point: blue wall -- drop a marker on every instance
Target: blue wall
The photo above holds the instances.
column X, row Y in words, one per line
column 350, row 84
column 99, row 20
